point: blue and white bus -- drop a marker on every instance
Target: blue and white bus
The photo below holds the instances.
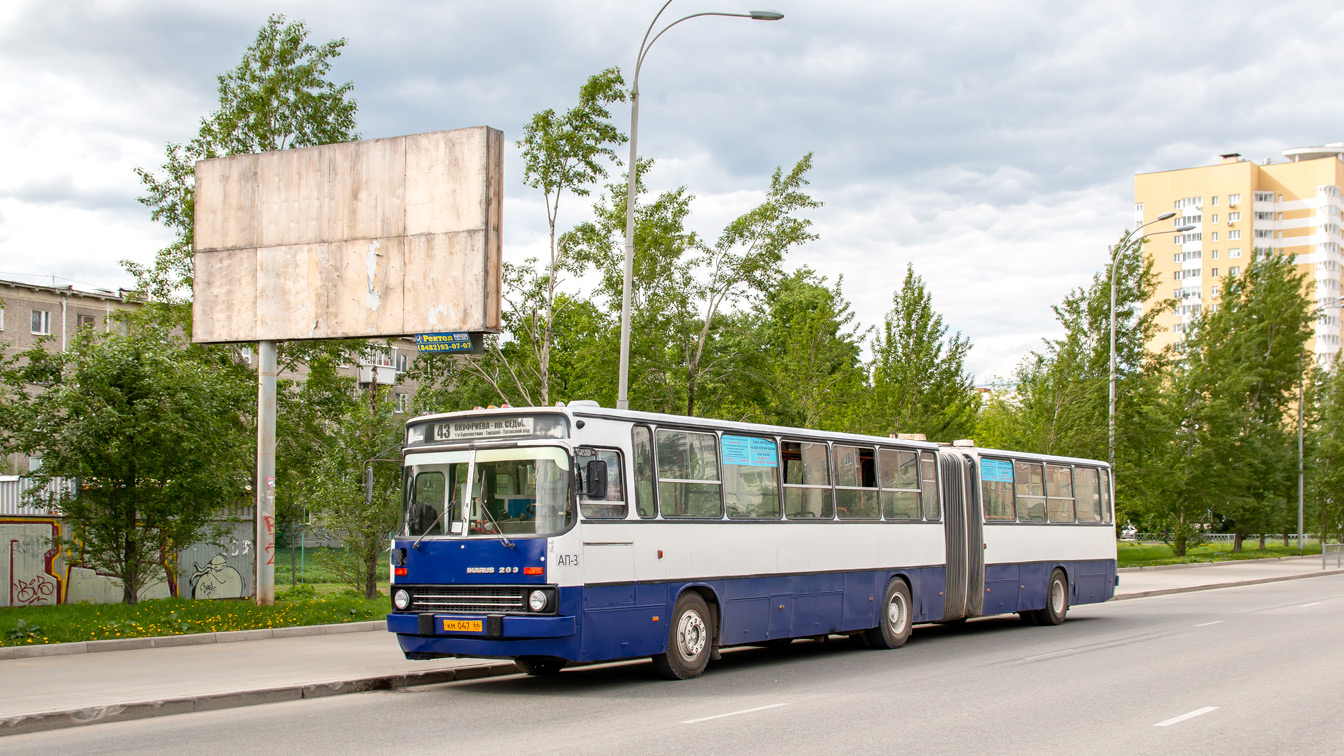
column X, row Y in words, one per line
column 579, row 533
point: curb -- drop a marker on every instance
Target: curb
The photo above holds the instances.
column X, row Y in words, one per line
column 55, row 720
column 1215, row 586
column 193, row 639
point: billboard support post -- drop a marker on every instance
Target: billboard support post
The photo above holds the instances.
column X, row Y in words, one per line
column 265, row 551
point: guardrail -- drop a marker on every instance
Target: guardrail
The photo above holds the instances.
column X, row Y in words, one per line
column 1222, row 538
column 1338, row 548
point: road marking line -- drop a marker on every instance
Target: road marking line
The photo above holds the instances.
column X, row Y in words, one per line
column 1206, row 624
column 1183, row 717
column 1314, row 603
column 734, row 713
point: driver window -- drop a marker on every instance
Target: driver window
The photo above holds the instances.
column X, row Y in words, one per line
column 613, row 506
column 425, row 516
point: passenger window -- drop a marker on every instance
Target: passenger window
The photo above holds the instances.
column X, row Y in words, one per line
column 1105, row 495
column 900, row 484
column 1029, row 485
column 688, row 474
column 807, row 480
column 643, row 448
column 1087, row 493
column 996, row 489
column 612, row 506
column 1059, row 492
column 750, row 483
column 855, row 483
column 928, row 465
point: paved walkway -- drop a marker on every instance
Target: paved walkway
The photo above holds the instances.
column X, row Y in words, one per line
column 63, row 690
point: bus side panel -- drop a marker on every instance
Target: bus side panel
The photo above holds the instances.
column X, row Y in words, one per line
column 1001, row 588
column 819, row 607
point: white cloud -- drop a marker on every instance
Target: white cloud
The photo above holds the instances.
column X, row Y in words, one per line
column 991, row 145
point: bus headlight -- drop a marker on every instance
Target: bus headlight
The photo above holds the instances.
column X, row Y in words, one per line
column 536, row 600
column 401, row 599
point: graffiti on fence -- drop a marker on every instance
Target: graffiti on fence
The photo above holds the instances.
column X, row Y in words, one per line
column 28, row 571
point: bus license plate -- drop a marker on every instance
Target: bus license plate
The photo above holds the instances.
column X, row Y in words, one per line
column 463, row 626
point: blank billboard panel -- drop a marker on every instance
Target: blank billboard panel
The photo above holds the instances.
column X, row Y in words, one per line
column 380, row 238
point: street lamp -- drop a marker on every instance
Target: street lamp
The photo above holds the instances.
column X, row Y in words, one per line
column 1301, row 397
column 1119, row 248
column 621, row 398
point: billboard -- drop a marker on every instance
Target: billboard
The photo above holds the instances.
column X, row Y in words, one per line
column 378, row 238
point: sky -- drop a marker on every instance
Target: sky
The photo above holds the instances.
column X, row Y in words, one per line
column 990, row 145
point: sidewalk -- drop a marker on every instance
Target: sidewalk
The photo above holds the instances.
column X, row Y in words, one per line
column 68, row 689
column 1139, row 582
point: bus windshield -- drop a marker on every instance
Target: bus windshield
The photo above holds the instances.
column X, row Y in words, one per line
column 497, row 492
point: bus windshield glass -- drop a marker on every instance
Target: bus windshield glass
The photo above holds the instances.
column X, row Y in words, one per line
column 517, row 491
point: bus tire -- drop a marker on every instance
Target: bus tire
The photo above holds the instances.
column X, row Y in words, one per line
column 896, row 620
column 540, row 666
column 689, row 639
column 1056, row 600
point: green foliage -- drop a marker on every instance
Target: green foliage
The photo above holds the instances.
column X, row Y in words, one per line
column 919, row 378
column 1325, row 482
column 277, row 97
column 561, row 153
column 149, row 427
column 805, row 355
column 685, row 291
column 1234, row 453
column 363, row 428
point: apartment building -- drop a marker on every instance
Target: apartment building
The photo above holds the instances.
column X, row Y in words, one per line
column 31, row 312
column 1240, row 209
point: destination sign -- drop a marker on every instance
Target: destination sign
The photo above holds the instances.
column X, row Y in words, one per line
column 492, row 427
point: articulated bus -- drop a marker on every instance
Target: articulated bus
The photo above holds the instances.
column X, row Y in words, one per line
column 578, row 533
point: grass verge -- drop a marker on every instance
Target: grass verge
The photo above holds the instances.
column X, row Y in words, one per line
column 1153, row 554
column 33, row 625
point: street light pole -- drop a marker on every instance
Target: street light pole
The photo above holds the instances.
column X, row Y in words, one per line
column 1301, row 478
column 622, row 401
column 1115, row 258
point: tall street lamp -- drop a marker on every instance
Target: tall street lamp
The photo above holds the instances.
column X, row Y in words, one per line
column 1115, row 257
column 1301, row 397
column 621, row 396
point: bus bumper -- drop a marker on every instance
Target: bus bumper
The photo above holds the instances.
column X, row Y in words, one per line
column 491, row 626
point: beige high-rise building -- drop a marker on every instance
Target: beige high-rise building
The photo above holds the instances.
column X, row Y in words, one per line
column 1240, row 209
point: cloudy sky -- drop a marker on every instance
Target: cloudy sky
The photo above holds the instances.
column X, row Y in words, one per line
column 992, row 145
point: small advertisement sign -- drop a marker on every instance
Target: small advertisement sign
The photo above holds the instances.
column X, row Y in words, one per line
column 451, row 343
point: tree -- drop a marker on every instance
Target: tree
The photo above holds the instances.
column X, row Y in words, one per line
column 812, row 353
column 1243, row 362
column 1057, row 400
column 683, row 286
column 919, row 378
column 276, row 98
column 1325, row 483
column 148, row 428
column 562, row 153
column 365, row 427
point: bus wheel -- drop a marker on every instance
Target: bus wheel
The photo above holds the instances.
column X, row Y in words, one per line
column 689, row 639
column 896, row 620
column 540, row 666
column 1056, row 601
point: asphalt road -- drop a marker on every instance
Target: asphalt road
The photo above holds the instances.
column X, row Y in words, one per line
column 1251, row 670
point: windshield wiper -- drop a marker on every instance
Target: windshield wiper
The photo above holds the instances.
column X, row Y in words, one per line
column 500, row 531
column 437, row 517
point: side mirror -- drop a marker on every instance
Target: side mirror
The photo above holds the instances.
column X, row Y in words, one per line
column 595, row 480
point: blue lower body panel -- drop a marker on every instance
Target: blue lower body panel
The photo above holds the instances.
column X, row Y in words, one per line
column 607, row 622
